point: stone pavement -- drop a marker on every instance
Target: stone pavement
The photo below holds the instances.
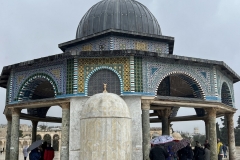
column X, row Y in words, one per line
column 57, row 154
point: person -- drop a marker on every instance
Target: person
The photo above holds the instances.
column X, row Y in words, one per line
column 207, row 152
column 206, row 143
column 182, row 154
column 43, row 147
column 199, row 152
column 3, row 149
column 25, row 152
column 158, row 152
column 225, row 150
column 49, row 152
column 219, row 149
column 35, row 154
column 189, row 152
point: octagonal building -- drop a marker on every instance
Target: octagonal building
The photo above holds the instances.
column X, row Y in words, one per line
column 119, row 48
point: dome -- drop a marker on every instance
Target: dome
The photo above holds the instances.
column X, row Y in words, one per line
column 105, row 105
column 123, row 15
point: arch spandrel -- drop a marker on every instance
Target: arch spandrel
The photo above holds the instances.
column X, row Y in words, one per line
column 156, row 69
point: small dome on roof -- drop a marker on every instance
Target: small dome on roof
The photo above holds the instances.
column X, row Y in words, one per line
column 123, row 15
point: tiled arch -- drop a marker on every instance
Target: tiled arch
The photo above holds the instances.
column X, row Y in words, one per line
column 32, row 82
column 193, row 83
column 101, row 68
column 226, row 97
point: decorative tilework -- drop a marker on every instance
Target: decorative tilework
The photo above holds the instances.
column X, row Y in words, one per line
column 226, row 95
column 55, row 69
column 132, row 80
column 9, row 89
column 75, row 76
column 141, row 46
column 70, row 76
column 224, row 79
column 155, row 70
column 29, row 85
column 87, row 65
column 138, row 74
column 121, row 43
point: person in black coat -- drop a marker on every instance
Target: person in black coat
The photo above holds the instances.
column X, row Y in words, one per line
column 158, row 152
column 189, row 151
column 199, row 153
column 182, row 154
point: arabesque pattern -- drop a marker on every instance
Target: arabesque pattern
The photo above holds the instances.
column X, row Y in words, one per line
column 87, row 65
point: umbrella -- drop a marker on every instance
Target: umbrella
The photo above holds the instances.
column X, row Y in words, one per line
column 34, row 145
column 180, row 144
column 162, row 139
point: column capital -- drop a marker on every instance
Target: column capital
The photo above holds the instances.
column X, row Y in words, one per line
column 16, row 111
column 146, row 104
column 211, row 112
column 229, row 116
column 34, row 122
column 65, row 105
column 164, row 112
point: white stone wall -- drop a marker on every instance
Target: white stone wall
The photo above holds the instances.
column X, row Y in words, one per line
column 76, row 105
column 134, row 105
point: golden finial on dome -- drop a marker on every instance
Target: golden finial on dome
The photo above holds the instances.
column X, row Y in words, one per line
column 105, row 88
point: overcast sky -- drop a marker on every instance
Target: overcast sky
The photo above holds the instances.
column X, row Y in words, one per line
column 203, row 29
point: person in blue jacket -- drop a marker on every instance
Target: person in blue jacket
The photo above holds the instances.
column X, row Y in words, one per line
column 35, row 154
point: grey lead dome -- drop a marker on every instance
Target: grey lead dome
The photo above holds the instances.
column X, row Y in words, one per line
column 123, row 15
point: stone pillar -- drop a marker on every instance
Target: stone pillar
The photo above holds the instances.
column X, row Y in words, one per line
column 34, row 131
column 164, row 113
column 146, row 128
column 211, row 115
column 14, row 149
column 206, row 128
column 64, row 153
column 231, row 137
column 8, row 138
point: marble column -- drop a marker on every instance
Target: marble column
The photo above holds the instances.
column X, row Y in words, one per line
column 231, row 137
column 8, row 137
column 206, row 128
column 146, row 128
column 14, row 148
column 34, row 131
column 211, row 115
column 164, row 113
column 64, row 153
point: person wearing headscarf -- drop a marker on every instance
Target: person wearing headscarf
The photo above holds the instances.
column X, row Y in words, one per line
column 25, row 152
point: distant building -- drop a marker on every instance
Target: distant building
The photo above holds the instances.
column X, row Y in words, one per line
column 51, row 135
